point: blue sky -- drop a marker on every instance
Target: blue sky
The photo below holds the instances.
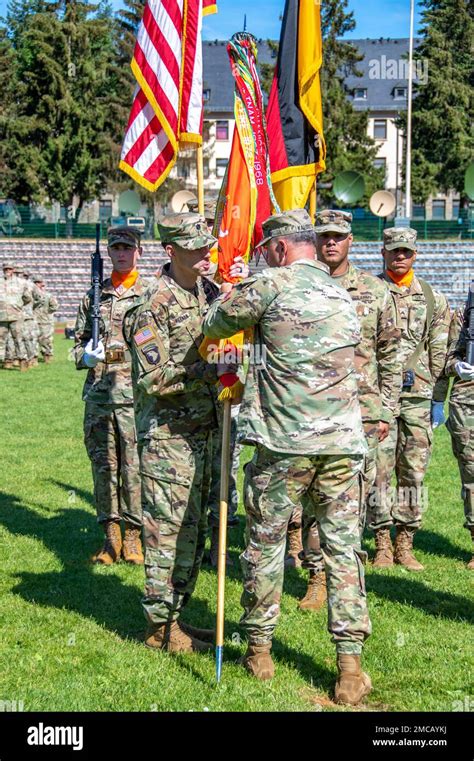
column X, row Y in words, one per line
column 375, row 18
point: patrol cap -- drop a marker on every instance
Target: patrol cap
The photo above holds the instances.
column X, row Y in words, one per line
column 333, row 221
column 129, row 236
column 187, row 230
column 210, row 208
column 19, row 268
column 38, row 279
column 8, row 266
column 286, row 223
column 399, row 237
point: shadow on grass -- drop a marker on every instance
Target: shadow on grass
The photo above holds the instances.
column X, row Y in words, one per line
column 436, row 544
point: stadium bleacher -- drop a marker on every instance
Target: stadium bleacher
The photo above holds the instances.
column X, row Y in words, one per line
column 65, row 265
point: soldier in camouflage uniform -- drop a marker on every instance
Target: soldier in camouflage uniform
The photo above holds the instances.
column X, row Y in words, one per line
column 301, row 413
column 30, row 327
column 14, row 295
column 109, row 423
column 379, row 370
column 461, row 414
column 176, row 417
column 44, row 315
column 423, row 316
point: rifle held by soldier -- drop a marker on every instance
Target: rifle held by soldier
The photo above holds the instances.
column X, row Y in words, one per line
column 96, row 282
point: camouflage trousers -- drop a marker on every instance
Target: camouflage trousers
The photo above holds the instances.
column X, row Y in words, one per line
column 14, row 330
column 110, row 439
column 313, row 558
column 461, row 427
column 30, row 334
column 45, row 339
column 175, row 486
column 330, row 490
column 406, row 452
column 214, row 494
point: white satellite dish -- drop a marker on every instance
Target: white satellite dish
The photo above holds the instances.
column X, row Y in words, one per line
column 382, row 203
column 180, row 200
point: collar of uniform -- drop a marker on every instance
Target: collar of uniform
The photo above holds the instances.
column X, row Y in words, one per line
column 415, row 286
column 137, row 289
column 185, row 298
column 319, row 265
column 350, row 279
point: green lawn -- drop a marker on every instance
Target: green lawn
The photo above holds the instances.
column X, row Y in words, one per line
column 71, row 631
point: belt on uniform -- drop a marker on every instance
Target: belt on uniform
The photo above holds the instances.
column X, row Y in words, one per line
column 114, row 355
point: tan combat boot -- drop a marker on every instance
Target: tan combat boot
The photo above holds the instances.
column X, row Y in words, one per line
column 383, row 549
column 132, row 546
column 172, row 637
column 258, row 661
column 8, row 365
column 403, row 549
column 24, row 365
column 16, row 363
column 110, row 552
column 316, row 594
column 470, row 565
column 352, row 684
column 295, row 546
column 214, row 550
column 48, row 358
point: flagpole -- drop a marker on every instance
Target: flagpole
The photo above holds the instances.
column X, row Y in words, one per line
column 312, row 203
column 221, row 562
column 200, row 178
column 410, row 111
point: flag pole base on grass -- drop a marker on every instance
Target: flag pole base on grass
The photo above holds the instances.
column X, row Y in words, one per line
column 219, row 656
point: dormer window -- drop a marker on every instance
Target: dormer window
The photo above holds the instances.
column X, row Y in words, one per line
column 206, row 95
column 400, row 93
column 360, row 93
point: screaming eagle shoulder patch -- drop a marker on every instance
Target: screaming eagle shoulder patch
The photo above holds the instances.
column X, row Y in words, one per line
column 151, row 354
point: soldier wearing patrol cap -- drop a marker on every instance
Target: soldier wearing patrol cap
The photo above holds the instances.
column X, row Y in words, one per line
column 14, row 295
column 44, row 315
column 423, row 316
column 301, row 413
column 109, row 424
column 378, row 367
column 176, row 415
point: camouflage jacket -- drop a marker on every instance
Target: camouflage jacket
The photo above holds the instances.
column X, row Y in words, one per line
column 411, row 311
column 43, row 310
column 174, row 387
column 302, row 398
column 14, row 295
column 379, row 369
column 110, row 382
column 462, row 392
column 36, row 299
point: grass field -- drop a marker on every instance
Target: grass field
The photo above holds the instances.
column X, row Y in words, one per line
column 71, row 631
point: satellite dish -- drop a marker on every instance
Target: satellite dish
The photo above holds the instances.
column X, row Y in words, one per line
column 469, row 181
column 382, row 203
column 349, row 187
column 180, row 200
column 129, row 202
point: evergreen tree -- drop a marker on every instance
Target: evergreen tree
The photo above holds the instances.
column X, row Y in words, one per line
column 443, row 107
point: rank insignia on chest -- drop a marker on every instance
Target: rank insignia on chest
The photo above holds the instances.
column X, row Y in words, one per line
column 145, row 335
column 151, row 354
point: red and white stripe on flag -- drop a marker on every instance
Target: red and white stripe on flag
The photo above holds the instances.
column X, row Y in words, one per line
column 167, row 106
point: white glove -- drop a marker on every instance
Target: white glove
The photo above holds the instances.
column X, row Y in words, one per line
column 464, row 370
column 92, row 357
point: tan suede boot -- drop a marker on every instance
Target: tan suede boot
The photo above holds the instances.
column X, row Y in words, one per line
column 470, row 565
column 48, row 358
column 24, row 365
column 110, row 552
column 132, row 546
column 205, row 635
column 16, row 363
column 214, row 550
column 258, row 661
column 403, row 549
column 352, row 683
column 8, row 365
column 383, row 549
column 172, row 638
column 316, row 594
column 295, row 546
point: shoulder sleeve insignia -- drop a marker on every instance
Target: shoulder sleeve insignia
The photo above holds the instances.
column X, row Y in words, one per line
column 151, row 354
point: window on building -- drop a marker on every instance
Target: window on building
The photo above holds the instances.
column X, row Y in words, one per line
column 221, row 166
column 381, row 163
column 360, row 93
column 222, row 130
column 400, row 92
column 380, row 129
column 206, row 94
column 182, row 170
column 439, row 210
column 206, row 169
column 105, row 210
column 456, row 208
column 418, row 211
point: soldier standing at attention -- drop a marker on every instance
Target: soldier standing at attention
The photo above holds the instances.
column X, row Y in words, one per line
column 379, row 370
column 461, row 414
column 30, row 327
column 423, row 316
column 109, row 424
column 44, row 315
column 14, row 295
column 175, row 406
column 301, row 413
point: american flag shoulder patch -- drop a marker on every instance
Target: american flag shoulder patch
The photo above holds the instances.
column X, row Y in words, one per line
column 145, row 335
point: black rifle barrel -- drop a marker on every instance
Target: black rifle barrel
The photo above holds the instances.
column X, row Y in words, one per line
column 96, row 282
column 470, row 325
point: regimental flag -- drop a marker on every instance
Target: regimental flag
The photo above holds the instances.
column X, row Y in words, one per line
column 294, row 113
column 168, row 106
column 208, row 7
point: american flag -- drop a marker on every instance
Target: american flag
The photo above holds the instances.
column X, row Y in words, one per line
column 167, row 106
